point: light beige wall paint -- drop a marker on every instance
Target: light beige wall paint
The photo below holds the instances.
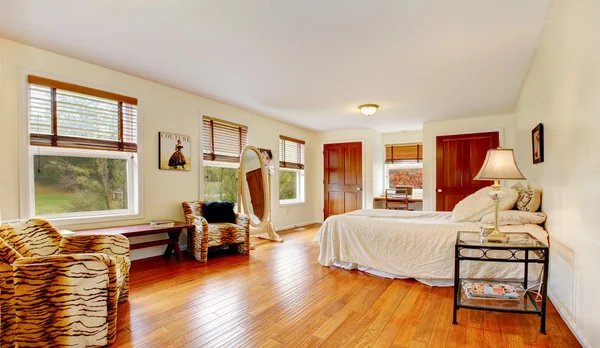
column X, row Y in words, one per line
column 161, row 108
column 502, row 123
column 373, row 158
column 562, row 91
column 406, row 137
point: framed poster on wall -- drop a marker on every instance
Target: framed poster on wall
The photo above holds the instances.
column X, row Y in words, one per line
column 174, row 151
column 537, row 144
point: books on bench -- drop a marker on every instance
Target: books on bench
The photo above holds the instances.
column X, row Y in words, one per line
column 162, row 223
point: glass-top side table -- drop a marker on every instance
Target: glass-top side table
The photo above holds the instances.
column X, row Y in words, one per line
column 522, row 247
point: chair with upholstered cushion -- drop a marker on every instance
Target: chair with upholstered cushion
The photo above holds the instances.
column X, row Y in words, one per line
column 60, row 290
column 208, row 235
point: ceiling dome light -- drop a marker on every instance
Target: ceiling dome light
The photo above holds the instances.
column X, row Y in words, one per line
column 368, row 109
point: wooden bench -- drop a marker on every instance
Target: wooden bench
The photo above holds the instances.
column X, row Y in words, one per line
column 144, row 230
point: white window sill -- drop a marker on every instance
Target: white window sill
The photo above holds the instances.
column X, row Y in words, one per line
column 90, row 219
column 291, row 203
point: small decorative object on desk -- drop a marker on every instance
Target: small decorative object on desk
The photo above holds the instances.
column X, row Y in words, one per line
column 162, row 223
column 477, row 290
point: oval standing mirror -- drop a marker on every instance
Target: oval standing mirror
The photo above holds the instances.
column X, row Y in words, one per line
column 253, row 184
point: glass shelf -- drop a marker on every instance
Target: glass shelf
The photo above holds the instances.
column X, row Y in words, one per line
column 521, row 240
column 525, row 304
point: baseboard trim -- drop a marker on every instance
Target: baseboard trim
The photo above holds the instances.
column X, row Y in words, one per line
column 562, row 311
column 301, row 224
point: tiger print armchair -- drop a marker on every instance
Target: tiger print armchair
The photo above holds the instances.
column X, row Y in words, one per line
column 207, row 235
column 60, row 290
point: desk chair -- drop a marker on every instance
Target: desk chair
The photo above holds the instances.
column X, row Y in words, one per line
column 396, row 196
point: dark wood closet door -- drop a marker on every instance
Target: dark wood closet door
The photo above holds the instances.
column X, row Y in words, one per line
column 459, row 158
column 343, row 178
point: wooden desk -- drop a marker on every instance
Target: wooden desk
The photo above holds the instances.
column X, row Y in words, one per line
column 410, row 199
column 143, row 230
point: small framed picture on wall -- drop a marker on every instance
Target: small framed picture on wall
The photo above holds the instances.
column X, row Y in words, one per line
column 537, row 143
column 174, row 151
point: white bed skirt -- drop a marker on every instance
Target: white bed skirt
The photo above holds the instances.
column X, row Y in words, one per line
column 376, row 272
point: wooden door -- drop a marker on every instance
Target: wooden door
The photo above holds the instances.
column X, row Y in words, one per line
column 459, row 158
column 343, row 178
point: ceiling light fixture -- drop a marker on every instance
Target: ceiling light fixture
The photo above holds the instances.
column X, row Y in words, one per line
column 368, row 109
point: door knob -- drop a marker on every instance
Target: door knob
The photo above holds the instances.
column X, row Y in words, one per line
column 358, row 189
column 439, row 190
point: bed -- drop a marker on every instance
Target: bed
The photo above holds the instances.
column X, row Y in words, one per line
column 409, row 244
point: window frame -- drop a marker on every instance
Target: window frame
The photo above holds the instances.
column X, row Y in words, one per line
column 27, row 166
column 300, row 188
column 295, row 167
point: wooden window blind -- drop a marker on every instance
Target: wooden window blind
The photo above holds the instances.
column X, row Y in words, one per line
column 291, row 153
column 403, row 153
column 223, row 141
column 67, row 115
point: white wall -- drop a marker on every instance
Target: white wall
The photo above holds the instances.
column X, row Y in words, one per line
column 161, row 108
column 373, row 158
column 502, row 123
column 562, row 91
column 405, row 137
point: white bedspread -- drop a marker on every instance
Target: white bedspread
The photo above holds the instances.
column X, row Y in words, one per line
column 403, row 244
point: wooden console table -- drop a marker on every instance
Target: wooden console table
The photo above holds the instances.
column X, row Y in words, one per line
column 143, row 230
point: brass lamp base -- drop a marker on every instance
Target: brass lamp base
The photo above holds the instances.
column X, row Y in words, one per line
column 496, row 195
column 497, row 237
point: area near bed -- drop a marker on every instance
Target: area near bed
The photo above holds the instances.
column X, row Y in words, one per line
column 405, row 244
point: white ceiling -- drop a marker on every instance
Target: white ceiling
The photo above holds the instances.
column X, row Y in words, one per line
column 309, row 62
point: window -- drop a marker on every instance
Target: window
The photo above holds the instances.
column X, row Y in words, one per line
column 404, row 166
column 222, row 144
column 220, row 182
column 291, row 170
column 82, row 152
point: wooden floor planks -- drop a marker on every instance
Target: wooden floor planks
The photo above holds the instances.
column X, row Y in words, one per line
column 280, row 296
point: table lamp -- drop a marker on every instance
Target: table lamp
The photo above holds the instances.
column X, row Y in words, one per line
column 499, row 165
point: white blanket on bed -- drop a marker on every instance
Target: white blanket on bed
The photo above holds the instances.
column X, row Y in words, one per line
column 409, row 244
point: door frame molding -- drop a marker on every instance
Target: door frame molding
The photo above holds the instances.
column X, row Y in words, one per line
column 433, row 174
column 322, row 171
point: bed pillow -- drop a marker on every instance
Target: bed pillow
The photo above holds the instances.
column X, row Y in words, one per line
column 529, row 199
column 475, row 206
column 515, row 217
column 218, row 212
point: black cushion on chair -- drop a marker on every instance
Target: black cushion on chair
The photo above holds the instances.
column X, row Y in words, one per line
column 219, row 212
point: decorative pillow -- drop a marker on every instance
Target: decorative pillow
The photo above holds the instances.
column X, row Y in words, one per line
column 515, row 217
column 475, row 206
column 218, row 212
column 529, row 199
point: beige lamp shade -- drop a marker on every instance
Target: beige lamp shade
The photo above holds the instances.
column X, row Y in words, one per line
column 500, row 164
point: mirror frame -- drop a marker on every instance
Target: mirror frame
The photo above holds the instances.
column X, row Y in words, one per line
column 242, row 188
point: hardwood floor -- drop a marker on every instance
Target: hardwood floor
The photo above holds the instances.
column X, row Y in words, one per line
column 281, row 296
